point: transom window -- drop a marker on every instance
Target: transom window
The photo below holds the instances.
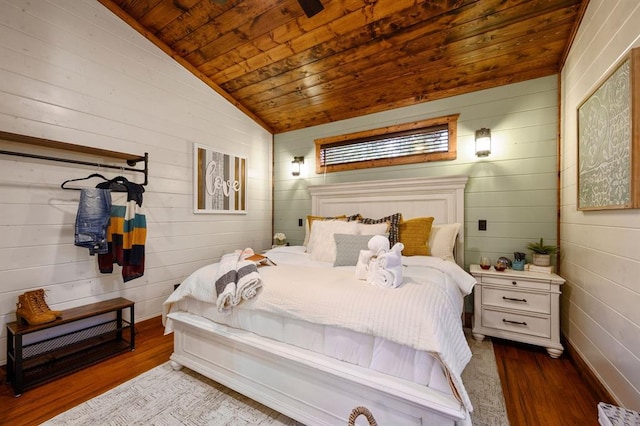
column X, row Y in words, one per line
column 427, row 140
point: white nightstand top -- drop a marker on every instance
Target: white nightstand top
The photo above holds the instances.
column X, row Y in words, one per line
column 510, row 273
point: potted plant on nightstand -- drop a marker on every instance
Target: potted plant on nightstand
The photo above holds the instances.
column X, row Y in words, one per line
column 541, row 252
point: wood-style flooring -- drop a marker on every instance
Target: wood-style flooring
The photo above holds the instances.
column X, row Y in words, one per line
column 538, row 390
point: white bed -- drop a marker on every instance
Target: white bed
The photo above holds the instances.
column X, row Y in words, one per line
column 318, row 373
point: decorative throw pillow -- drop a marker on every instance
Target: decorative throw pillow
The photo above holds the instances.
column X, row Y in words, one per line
column 309, row 221
column 373, row 229
column 442, row 240
column 322, row 245
column 414, row 234
column 394, row 222
column 348, row 248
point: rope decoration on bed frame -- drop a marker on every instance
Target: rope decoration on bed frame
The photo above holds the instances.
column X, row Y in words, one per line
column 362, row 410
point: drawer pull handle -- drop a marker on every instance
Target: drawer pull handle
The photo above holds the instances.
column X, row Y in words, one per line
column 514, row 299
column 514, row 282
column 514, row 322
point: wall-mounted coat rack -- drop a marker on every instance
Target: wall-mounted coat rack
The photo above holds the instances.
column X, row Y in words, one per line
column 130, row 159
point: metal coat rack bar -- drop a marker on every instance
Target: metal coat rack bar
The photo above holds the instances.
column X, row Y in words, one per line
column 131, row 160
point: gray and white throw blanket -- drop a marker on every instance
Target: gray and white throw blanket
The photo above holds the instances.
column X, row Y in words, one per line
column 236, row 280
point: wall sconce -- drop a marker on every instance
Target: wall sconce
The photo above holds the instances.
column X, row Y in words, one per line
column 296, row 164
column 483, row 142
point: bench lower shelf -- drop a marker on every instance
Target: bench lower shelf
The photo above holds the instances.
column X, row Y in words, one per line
column 45, row 359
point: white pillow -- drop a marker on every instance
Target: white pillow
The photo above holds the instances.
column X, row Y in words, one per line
column 442, row 240
column 311, row 218
column 322, row 244
column 373, row 229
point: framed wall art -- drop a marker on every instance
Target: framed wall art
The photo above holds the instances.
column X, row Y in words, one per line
column 219, row 181
column 609, row 141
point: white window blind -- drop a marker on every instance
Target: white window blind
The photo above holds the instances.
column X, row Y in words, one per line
column 431, row 139
column 434, row 139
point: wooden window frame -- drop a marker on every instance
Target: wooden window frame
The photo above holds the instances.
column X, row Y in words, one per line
column 451, row 121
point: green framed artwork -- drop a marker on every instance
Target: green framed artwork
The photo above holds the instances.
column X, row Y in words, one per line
column 219, row 181
column 609, row 141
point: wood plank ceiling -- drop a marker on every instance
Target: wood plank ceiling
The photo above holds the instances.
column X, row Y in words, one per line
column 355, row 57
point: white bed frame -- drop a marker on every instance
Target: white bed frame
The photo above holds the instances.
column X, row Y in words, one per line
column 312, row 388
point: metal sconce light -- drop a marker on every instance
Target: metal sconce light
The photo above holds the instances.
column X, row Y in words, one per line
column 296, row 164
column 483, row 142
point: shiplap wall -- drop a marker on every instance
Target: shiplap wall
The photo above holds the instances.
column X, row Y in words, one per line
column 514, row 189
column 72, row 71
column 601, row 260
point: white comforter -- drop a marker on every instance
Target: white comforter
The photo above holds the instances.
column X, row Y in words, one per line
column 423, row 313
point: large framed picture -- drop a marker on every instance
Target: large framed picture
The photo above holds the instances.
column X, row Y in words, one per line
column 609, row 141
column 219, row 181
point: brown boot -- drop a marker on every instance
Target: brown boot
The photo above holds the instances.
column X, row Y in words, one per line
column 40, row 295
column 28, row 311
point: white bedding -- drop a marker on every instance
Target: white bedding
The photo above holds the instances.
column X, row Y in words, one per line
column 356, row 348
column 294, row 308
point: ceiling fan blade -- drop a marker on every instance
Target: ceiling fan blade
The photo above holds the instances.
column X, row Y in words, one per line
column 311, row 7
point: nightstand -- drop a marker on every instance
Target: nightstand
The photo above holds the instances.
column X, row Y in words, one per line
column 522, row 306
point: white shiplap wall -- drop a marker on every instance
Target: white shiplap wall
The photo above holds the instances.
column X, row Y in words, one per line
column 514, row 189
column 601, row 260
column 72, row 71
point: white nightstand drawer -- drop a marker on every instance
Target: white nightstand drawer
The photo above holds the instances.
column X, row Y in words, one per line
column 518, row 323
column 532, row 302
column 517, row 283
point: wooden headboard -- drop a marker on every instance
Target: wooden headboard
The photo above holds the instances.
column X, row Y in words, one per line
column 440, row 197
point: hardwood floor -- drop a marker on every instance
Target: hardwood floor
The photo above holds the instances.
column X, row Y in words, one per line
column 46, row 401
column 538, row 390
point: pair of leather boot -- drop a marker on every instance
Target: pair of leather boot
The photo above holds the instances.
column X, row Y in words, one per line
column 32, row 309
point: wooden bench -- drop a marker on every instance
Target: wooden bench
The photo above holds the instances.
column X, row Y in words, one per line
column 82, row 336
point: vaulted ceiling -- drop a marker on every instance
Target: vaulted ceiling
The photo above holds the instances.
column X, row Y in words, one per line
column 354, row 57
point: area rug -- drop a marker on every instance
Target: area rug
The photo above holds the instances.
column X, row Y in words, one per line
column 165, row 397
column 481, row 379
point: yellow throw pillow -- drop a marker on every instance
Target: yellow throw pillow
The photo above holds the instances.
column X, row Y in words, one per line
column 414, row 234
